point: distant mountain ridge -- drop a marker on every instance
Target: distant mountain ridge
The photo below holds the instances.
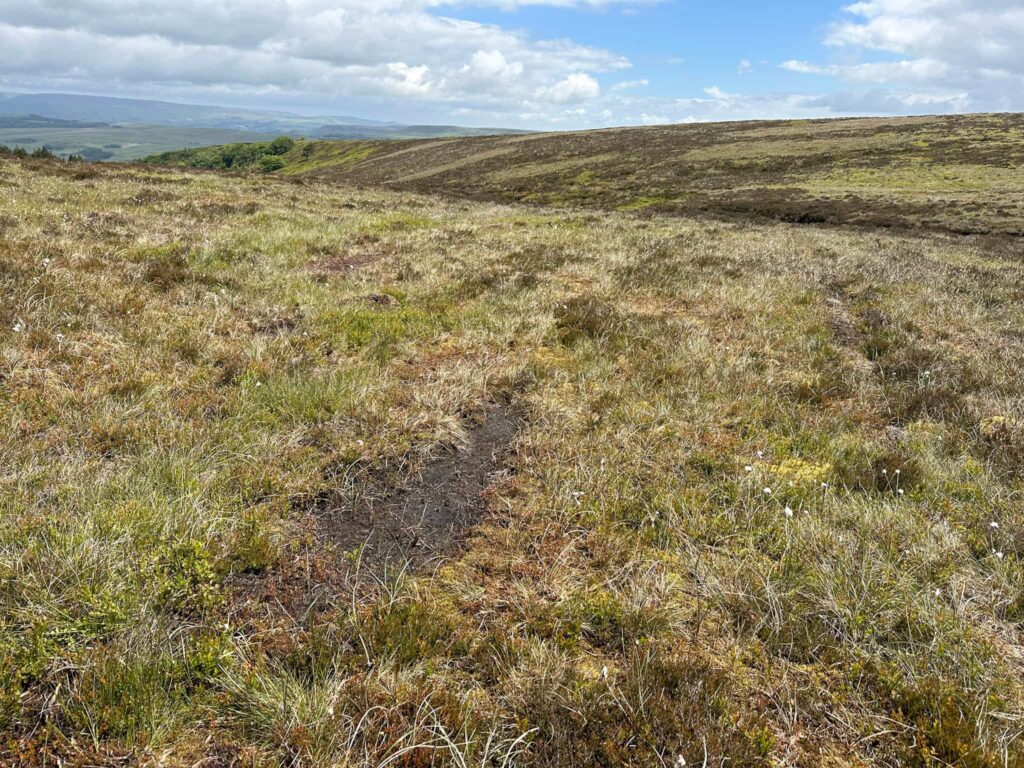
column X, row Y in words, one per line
column 138, row 112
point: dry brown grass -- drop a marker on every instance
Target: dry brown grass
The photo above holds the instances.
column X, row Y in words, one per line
column 184, row 378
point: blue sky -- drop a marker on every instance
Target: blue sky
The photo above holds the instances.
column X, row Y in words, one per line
column 553, row 64
column 685, row 46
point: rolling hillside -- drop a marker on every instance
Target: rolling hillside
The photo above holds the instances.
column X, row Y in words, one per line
column 294, row 473
column 963, row 174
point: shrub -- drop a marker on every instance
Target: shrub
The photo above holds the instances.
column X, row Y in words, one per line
column 282, row 145
column 271, row 163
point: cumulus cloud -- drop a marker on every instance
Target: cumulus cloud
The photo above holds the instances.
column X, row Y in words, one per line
column 961, row 54
column 305, row 50
column 577, row 87
column 419, row 60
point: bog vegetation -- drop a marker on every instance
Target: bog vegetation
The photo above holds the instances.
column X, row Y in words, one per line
column 737, row 493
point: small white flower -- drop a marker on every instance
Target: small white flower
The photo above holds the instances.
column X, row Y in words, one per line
column 760, row 454
column 898, row 471
column 18, row 327
column 789, row 511
column 938, row 593
column 901, row 492
column 824, row 486
column 604, row 672
column 330, row 710
column 993, row 524
column 680, row 762
column 259, row 383
column 749, row 468
column 997, row 554
column 885, row 471
column 767, row 491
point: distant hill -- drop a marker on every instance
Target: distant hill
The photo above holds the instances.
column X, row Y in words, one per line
column 134, row 112
column 962, row 173
column 107, row 109
column 36, row 121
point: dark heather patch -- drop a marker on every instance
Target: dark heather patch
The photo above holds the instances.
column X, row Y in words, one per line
column 382, row 300
column 843, row 325
column 430, row 515
column 340, row 265
column 274, row 324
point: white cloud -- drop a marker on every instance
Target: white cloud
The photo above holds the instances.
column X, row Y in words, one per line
column 963, row 53
column 417, row 60
column 629, row 85
column 718, row 94
column 919, row 70
column 493, row 66
column 577, row 87
column 300, row 52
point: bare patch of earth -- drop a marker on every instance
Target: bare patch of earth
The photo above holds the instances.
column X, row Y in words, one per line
column 427, row 517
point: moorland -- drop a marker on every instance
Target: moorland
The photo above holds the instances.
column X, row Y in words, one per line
column 961, row 174
column 437, row 454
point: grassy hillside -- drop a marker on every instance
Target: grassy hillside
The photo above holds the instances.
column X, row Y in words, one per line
column 964, row 174
column 665, row 490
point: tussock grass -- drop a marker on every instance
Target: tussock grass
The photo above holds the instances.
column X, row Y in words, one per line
column 764, row 507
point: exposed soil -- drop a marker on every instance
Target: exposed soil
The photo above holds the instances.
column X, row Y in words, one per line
column 428, row 516
column 413, row 524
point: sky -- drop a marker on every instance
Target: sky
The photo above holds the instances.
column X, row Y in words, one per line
column 543, row 64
